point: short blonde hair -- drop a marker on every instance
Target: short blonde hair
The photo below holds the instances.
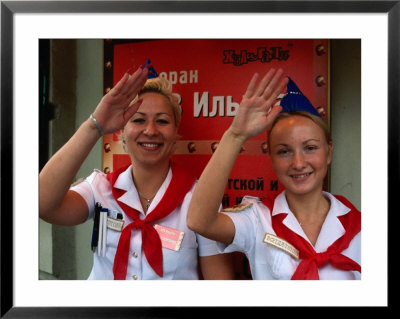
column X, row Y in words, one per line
column 316, row 119
column 164, row 87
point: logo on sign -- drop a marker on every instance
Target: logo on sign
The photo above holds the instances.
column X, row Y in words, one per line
column 262, row 54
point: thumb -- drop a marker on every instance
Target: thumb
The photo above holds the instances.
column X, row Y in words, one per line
column 273, row 113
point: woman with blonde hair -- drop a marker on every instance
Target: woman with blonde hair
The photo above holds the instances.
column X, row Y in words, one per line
column 144, row 205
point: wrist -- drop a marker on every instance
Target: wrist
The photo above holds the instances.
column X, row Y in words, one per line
column 96, row 124
column 236, row 139
column 91, row 129
column 232, row 142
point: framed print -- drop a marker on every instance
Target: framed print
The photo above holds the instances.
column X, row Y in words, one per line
column 23, row 295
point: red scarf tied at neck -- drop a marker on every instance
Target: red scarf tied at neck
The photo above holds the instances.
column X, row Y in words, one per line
column 180, row 184
column 310, row 259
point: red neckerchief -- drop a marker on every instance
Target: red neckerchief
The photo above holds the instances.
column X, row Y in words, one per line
column 310, row 259
column 180, row 184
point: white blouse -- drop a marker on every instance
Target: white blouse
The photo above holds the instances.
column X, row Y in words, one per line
column 269, row 262
column 181, row 264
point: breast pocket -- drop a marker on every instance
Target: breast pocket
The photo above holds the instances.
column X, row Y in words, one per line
column 182, row 263
column 112, row 242
column 280, row 264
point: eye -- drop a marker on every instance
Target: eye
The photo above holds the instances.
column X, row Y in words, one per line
column 311, row 148
column 138, row 120
column 163, row 121
column 282, row 152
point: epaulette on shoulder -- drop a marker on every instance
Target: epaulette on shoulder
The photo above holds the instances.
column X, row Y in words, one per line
column 99, row 171
column 237, row 208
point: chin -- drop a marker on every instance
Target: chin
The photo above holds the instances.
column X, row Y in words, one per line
column 298, row 191
column 155, row 162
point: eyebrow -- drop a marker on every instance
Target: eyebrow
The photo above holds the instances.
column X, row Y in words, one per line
column 305, row 142
column 157, row 114
column 311, row 139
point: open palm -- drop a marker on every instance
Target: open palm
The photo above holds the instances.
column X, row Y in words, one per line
column 255, row 113
column 114, row 109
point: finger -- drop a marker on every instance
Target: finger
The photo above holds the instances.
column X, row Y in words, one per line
column 141, row 72
column 135, row 88
column 272, row 115
column 120, row 84
column 274, row 111
column 264, row 82
column 135, row 83
column 132, row 109
column 272, row 81
column 275, row 83
column 278, row 89
column 251, row 86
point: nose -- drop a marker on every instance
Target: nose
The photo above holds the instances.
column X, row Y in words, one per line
column 298, row 161
column 150, row 129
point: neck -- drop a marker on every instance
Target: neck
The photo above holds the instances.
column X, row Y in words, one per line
column 149, row 179
column 308, row 208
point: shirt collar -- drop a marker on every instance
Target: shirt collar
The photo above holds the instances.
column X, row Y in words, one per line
column 124, row 180
column 337, row 208
column 332, row 228
column 131, row 197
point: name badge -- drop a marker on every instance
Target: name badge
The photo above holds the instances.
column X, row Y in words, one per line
column 281, row 244
column 115, row 224
column 170, row 238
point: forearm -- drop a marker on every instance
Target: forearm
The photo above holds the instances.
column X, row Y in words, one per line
column 56, row 204
column 253, row 117
column 203, row 210
column 59, row 172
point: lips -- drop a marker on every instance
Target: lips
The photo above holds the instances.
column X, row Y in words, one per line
column 150, row 146
column 300, row 177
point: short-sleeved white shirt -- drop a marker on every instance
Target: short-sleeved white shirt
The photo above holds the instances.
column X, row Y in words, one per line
column 269, row 262
column 181, row 264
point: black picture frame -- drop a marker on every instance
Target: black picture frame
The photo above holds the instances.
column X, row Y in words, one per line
column 9, row 8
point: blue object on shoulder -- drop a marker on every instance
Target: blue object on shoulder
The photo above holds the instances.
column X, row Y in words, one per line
column 294, row 100
column 152, row 72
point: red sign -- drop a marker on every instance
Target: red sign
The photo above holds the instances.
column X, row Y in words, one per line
column 210, row 77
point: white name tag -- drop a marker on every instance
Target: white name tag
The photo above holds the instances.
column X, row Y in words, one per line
column 115, row 224
column 281, row 244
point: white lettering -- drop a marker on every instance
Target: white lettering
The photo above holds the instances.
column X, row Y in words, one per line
column 194, row 76
column 231, row 107
column 218, row 102
column 221, row 105
column 181, row 77
column 173, row 77
column 200, row 104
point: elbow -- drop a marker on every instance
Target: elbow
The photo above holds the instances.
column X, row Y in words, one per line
column 191, row 222
column 46, row 213
column 44, row 209
column 194, row 223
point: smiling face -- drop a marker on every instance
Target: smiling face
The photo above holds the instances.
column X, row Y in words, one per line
column 300, row 154
column 150, row 135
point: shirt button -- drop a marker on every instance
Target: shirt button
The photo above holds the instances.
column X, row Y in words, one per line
column 134, row 277
column 135, row 255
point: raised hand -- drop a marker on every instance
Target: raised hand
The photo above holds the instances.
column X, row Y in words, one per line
column 57, row 204
column 256, row 111
column 114, row 109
